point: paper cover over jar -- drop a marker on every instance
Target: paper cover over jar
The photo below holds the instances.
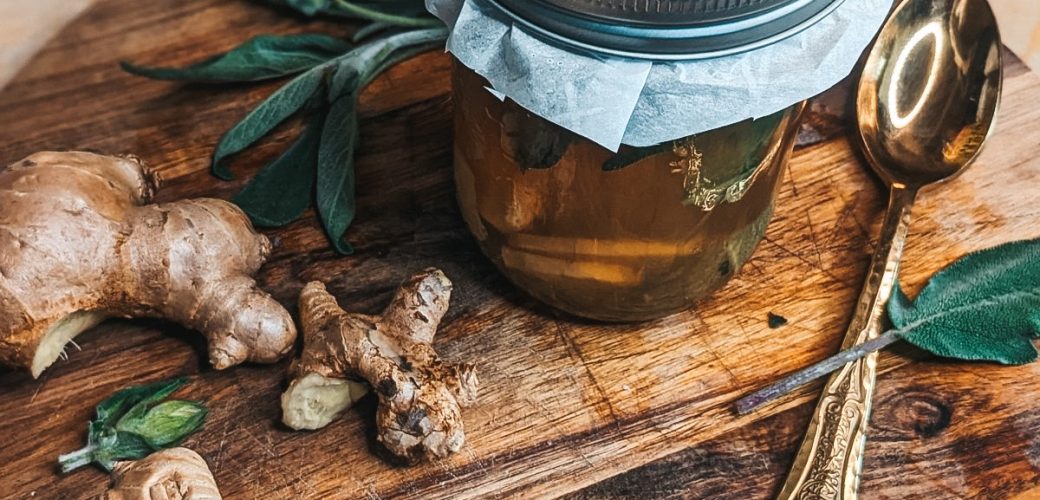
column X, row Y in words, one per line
column 643, row 101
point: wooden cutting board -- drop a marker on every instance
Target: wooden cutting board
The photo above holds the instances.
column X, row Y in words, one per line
column 567, row 406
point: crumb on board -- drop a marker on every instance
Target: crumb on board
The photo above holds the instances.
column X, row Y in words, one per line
column 776, row 320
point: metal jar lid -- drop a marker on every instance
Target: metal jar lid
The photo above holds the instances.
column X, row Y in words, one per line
column 667, row 29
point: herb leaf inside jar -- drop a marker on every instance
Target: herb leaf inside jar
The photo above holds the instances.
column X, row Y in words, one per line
column 535, row 143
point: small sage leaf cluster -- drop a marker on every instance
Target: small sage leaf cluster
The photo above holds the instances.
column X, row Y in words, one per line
column 328, row 75
column 135, row 422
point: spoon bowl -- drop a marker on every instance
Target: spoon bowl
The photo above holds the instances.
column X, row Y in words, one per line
column 929, row 91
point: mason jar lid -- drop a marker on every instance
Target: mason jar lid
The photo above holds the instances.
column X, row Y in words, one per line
column 667, row 29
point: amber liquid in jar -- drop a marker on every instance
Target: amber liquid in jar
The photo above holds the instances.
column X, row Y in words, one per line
column 662, row 228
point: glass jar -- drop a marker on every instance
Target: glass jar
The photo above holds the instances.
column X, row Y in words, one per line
column 630, row 236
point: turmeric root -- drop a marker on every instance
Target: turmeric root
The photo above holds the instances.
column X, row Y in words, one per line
column 420, row 397
column 79, row 243
column 172, row 474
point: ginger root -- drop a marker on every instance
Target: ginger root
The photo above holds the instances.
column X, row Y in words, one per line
column 79, row 243
column 171, row 474
column 420, row 397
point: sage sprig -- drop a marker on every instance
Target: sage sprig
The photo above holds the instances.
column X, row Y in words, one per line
column 983, row 307
column 135, row 422
column 328, row 75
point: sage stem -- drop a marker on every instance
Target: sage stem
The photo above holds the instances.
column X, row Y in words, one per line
column 76, row 459
column 749, row 403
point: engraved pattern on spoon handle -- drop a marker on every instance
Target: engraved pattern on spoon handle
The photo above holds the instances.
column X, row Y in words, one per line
column 828, row 463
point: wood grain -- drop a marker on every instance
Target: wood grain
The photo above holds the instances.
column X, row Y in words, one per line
column 567, row 406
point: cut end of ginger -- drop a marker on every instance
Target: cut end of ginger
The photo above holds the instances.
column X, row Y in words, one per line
column 314, row 401
column 53, row 343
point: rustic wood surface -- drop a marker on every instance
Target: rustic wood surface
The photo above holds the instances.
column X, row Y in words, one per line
column 568, row 407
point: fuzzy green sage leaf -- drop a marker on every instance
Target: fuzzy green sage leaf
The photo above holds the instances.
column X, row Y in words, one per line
column 335, row 190
column 114, row 407
column 983, row 307
column 335, row 170
column 282, row 190
column 133, row 423
column 166, row 423
column 261, row 58
column 277, row 108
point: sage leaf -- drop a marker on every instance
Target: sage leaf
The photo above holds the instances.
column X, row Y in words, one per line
column 282, row 104
column 983, row 307
column 114, row 407
column 335, row 182
column 160, row 391
column 282, row 190
column 261, row 58
column 166, row 423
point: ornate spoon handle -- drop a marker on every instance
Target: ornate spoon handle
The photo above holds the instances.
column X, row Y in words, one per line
column 828, row 464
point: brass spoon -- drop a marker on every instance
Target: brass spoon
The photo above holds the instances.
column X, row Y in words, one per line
column 925, row 106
